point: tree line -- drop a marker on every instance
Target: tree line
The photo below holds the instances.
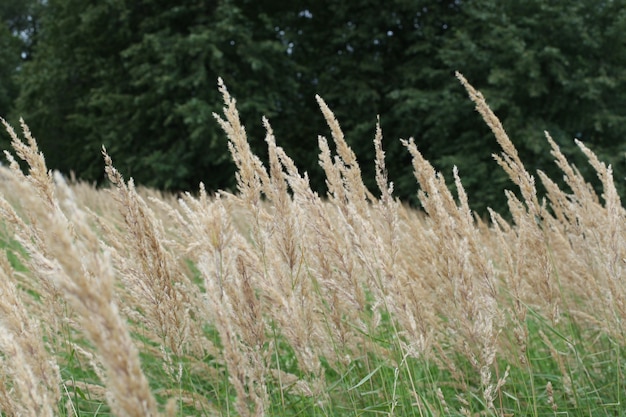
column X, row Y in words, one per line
column 140, row 77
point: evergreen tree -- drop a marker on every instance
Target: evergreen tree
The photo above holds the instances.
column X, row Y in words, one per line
column 140, row 78
column 19, row 24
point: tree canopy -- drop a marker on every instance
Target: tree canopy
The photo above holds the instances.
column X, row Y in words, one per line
column 19, row 27
column 140, row 78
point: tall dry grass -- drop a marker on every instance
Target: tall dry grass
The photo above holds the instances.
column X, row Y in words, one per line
column 274, row 300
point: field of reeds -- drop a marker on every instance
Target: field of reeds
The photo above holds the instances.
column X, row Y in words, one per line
column 276, row 301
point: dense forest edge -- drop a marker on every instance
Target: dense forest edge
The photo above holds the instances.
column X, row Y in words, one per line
column 140, row 78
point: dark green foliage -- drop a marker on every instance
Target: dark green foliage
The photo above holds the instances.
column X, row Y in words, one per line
column 19, row 24
column 140, row 78
column 545, row 67
column 10, row 58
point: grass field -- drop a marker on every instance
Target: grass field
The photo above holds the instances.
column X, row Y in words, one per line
column 275, row 301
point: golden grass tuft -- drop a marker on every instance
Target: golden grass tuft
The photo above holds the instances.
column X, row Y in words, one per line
column 275, row 300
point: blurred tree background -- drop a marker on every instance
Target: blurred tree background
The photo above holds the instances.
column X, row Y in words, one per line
column 140, row 78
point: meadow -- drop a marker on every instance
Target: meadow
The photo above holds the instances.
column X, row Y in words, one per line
column 276, row 301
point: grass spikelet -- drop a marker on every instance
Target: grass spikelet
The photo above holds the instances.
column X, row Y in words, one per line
column 250, row 171
column 346, row 162
column 509, row 160
column 39, row 175
column 152, row 277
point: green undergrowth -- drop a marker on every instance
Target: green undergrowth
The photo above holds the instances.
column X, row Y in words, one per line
column 584, row 367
